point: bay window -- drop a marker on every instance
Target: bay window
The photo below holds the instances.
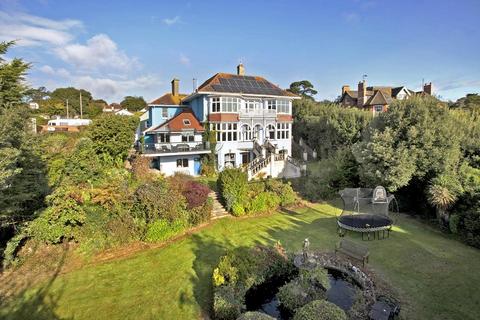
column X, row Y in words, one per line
column 226, row 131
column 283, row 130
column 225, row 104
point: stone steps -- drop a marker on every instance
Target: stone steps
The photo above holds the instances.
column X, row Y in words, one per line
column 218, row 211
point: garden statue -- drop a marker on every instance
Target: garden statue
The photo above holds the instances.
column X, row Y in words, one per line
column 306, row 246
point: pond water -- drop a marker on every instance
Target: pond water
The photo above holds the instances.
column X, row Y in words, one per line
column 263, row 298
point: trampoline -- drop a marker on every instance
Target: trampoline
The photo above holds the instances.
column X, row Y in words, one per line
column 366, row 210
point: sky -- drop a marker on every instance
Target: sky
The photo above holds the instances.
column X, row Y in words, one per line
column 119, row 48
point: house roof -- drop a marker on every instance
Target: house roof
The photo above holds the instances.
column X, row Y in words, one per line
column 169, row 99
column 232, row 83
column 379, row 98
column 177, row 123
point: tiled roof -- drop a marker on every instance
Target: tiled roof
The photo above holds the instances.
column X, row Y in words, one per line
column 177, row 123
column 379, row 98
column 169, row 99
column 232, row 83
column 353, row 94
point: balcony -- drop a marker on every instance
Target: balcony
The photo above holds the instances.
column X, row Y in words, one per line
column 174, row 149
column 251, row 113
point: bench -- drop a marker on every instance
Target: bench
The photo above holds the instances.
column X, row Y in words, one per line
column 352, row 249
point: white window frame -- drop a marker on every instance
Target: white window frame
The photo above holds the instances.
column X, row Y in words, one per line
column 186, row 122
column 225, row 104
column 229, row 160
column 283, row 106
column 256, row 131
column 164, row 112
column 181, row 163
column 270, row 131
column 188, row 136
column 283, row 130
column 246, row 133
column 226, row 131
column 376, row 107
column 216, row 104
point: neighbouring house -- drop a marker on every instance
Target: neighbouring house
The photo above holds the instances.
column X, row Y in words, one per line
column 251, row 118
column 112, row 107
column 378, row 98
column 69, row 125
column 123, row 112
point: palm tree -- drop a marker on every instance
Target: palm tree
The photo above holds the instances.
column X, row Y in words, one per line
column 442, row 194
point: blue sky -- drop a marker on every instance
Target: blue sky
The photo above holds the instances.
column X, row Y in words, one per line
column 118, row 48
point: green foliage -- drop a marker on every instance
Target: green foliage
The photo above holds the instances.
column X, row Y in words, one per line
column 62, row 219
column 263, row 202
column 309, row 286
column 61, row 95
column 233, row 186
column 320, row 310
column 284, row 191
column 82, row 166
column 414, row 139
column 303, row 88
column 12, row 78
column 155, row 200
column 254, row 315
column 133, row 103
column 113, row 136
column 162, row 229
column 13, row 245
column 327, row 127
column 241, row 269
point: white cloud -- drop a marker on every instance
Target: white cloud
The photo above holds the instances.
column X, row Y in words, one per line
column 33, row 31
column 99, row 52
column 61, row 72
column 184, row 59
column 171, row 21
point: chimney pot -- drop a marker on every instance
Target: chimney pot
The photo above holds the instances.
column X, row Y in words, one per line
column 240, row 70
column 175, row 87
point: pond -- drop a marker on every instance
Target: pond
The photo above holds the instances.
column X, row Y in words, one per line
column 264, row 297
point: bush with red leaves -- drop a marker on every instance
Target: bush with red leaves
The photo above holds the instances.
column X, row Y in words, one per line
column 195, row 193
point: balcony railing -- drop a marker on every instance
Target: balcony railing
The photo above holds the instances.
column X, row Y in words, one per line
column 150, row 148
column 257, row 112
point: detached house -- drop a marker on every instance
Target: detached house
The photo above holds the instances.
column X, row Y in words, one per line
column 251, row 118
column 377, row 98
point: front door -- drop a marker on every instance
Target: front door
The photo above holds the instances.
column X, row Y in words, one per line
column 196, row 166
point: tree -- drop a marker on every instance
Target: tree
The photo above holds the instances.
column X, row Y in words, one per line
column 304, row 89
column 133, row 103
column 73, row 96
column 113, row 136
column 36, row 95
column 12, row 78
column 442, row 193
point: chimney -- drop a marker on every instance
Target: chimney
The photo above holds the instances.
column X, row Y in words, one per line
column 345, row 88
column 240, row 70
column 428, row 88
column 362, row 93
column 175, row 86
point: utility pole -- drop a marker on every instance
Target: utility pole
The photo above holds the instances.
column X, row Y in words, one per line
column 81, row 108
column 67, row 109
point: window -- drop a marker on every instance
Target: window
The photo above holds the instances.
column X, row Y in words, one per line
column 163, row 137
column 272, row 104
column 257, row 130
column 283, row 106
column 378, row 108
column 271, row 132
column 165, row 112
column 188, row 137
column 186, row 122
column 225, row 104
column 246, row 133
column 182, row 163
column 216, row 104
column 230, row 160
column 226, row 131
column 252, row 105
column 283, row 130
column 245, row 157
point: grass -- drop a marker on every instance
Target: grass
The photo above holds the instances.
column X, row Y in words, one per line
column 436, row 277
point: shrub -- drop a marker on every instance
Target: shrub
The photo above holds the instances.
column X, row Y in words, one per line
column 161, row 230
column 62, row 219
column 311, row 285
column 12, row 248
column 233, row 186
column 226, row 304
column 264, row 202
column 283, row 190
column 202, row 213
column 196, row 194
column 320, row 310
column 254, row 315
column 141, row 168
column 155, row 200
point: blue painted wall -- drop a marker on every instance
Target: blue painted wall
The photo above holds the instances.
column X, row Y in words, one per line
column 197, row 107
column 155, row 117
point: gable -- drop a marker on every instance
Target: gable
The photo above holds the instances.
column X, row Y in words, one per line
column 184, row 121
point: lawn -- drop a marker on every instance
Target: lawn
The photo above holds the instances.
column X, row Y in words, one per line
column 437, row 277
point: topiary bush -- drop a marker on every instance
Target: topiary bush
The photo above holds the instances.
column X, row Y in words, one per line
column 254, row 315
column 233, row 186
column 162, row 229
column 320, row 310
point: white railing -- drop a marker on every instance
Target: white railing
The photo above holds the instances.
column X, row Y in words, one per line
column 257, row 112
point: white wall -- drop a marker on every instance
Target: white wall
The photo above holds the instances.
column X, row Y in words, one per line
column 168, row 165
